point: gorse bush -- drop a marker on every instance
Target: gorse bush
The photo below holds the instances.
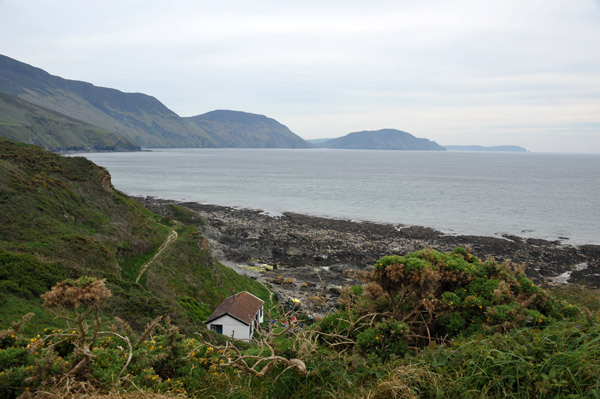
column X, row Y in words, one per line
column 384, row 339
column 434, row 296
column 453, row 326
column 456, row 293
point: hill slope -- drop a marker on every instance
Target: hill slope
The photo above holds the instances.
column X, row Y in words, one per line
column 139, row 117
column 136, row 116
column 61, row 218
column 242, row 129
column 385, row 139
column 26, row 122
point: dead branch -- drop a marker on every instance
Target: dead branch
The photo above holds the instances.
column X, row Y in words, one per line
column 427, row 327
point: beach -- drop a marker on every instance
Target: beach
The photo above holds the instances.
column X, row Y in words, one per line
column 319, row 255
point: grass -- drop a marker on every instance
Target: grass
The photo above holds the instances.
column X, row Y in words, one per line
column 14, row 308
column 199, row 283
column 558, row 361
column 583, row 296
column 62, row 218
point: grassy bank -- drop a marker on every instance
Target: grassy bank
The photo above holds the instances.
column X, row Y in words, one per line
column 362, row 352
column 62, row 218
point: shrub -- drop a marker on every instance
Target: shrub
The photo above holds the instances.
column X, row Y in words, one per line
column 385, row 339
column 455, row 293
column 436, row 296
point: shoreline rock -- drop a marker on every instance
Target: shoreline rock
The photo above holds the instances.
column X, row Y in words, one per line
column 299, row 245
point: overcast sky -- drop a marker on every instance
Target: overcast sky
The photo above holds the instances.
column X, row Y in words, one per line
column 458, row 72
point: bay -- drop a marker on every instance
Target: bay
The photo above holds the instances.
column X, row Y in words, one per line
column 549, row 196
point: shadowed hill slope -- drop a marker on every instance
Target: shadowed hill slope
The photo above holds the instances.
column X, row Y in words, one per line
column 26, row 122
column 242, row 129
column 139, row 117
column 136, row 116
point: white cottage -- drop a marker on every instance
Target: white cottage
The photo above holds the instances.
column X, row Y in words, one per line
column 237, row 316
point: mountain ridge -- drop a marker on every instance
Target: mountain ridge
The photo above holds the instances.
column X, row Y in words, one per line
column 139, row 117
column 136, row 116
column 244, row 129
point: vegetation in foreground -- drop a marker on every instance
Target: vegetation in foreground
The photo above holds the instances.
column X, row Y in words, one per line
column 427, row 325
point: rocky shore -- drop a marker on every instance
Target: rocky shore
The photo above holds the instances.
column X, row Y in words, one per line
column 314, row 256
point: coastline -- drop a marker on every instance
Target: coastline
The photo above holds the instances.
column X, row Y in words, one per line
column 298, row 246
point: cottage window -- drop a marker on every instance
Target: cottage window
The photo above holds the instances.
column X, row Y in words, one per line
column 218, row 328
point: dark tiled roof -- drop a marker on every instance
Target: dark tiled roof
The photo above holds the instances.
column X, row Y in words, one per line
column 242, row 306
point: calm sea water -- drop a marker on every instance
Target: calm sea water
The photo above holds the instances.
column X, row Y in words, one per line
column 526, row 194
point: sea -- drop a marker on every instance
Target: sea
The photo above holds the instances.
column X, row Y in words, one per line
column 531, row 195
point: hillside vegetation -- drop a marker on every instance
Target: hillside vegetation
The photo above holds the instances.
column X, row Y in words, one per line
column 426, row 325
column 25, row 122
column 61, row 218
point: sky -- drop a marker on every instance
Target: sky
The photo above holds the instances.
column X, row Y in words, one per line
column 496, row 72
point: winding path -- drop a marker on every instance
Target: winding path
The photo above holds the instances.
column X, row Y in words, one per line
column 170, row 239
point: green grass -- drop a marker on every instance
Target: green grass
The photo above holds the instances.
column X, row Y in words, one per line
column 199, row 283
column 585, row 297
column 61, row 218
column 559, row 361
column 14, row 308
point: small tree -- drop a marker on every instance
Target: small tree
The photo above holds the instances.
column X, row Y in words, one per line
column 79, row 303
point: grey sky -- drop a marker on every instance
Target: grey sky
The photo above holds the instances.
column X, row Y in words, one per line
column 462, row 72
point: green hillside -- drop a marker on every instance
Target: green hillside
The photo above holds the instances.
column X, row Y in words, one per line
column 25, row 122
column 61, row 218
column 242, row 129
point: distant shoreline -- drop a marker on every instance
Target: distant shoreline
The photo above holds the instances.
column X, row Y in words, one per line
column 481, row 148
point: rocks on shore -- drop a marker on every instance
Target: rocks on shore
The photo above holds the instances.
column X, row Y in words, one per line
column 300, row 245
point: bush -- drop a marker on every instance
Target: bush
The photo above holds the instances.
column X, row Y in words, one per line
column 385, row 339
column 448, row 294
column 428, row 296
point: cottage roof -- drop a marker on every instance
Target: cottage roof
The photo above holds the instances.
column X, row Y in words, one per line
column 242, row 306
